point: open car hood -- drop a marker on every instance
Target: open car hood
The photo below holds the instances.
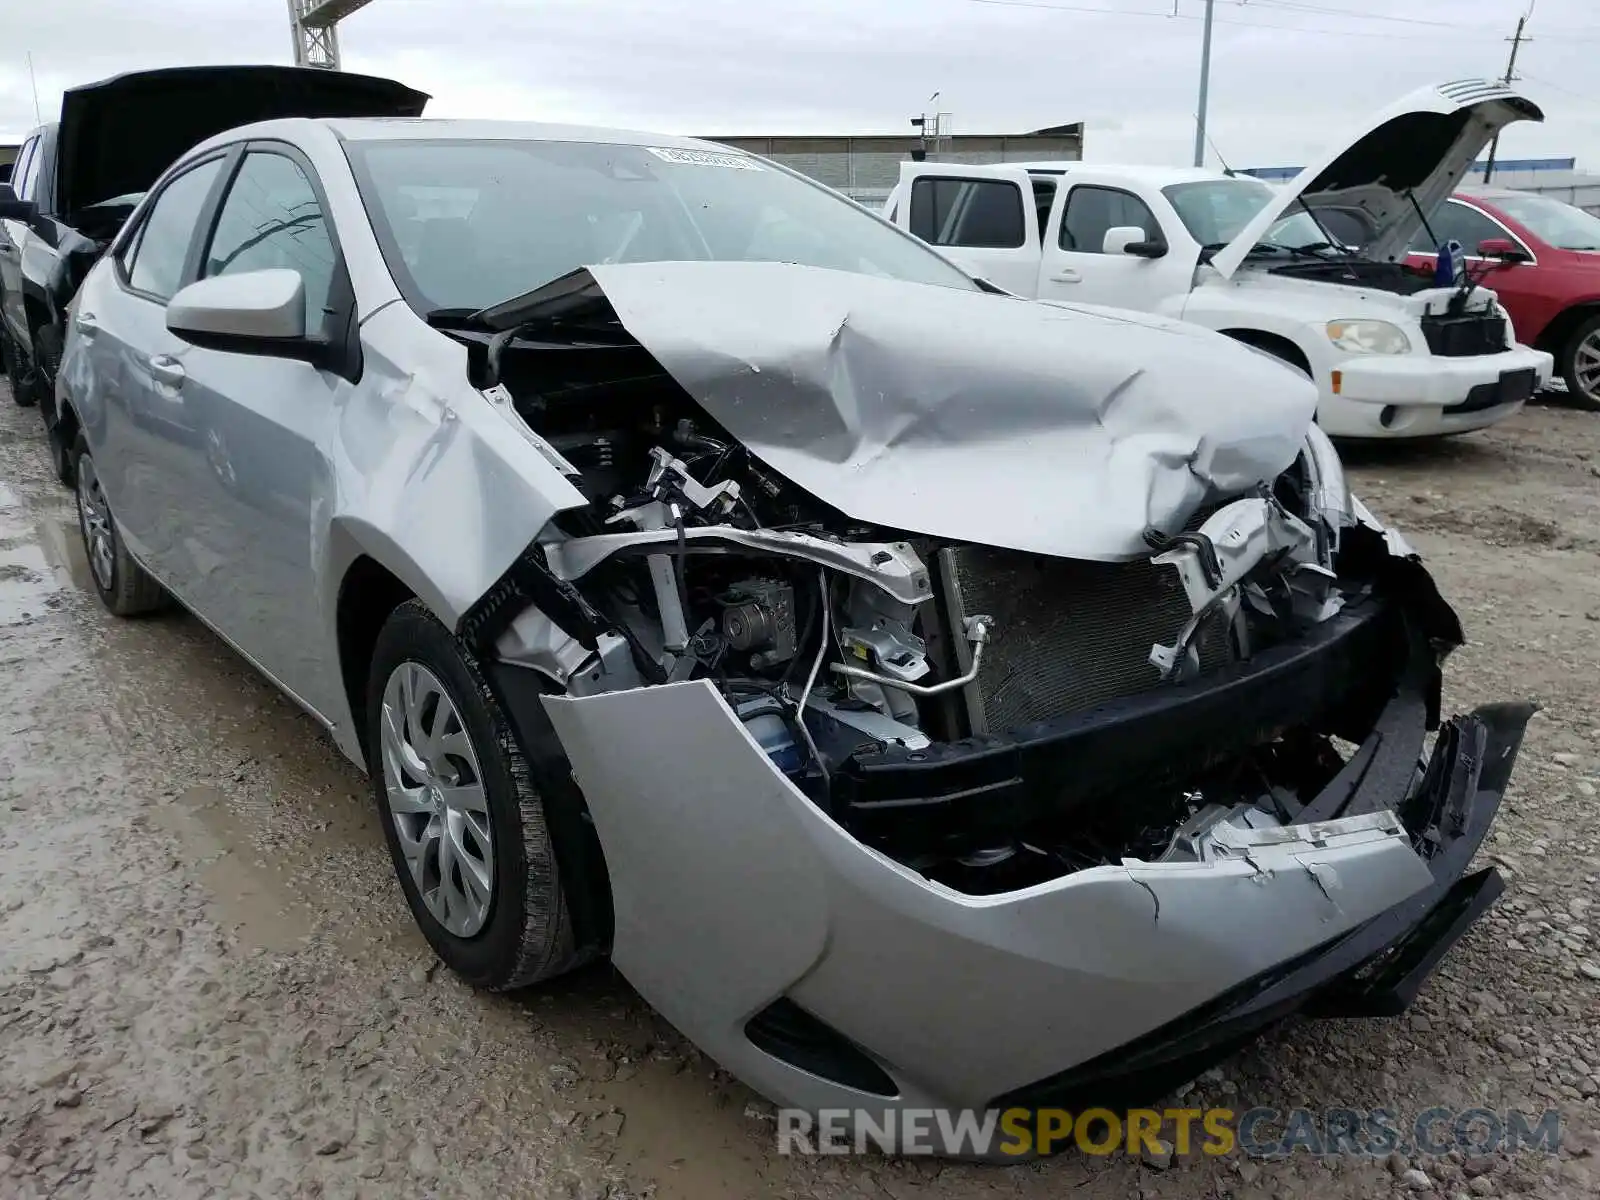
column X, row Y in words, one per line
column 118, row 135
column 1049, row 428
column 1416, row 149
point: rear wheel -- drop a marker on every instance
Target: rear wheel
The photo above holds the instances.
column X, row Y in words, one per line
column 465, row 827
column 1580, row 365
column 125, row 587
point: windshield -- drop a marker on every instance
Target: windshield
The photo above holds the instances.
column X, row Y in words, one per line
column 1561, row 225
column 1216, row 211
column 466, row 224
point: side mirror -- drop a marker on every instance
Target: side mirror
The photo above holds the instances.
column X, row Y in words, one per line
column 12, row 209
column 1130, row 239
column 1503, row 249
column 253, row 312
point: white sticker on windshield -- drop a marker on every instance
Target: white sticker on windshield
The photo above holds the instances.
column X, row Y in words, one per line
column 705, row 158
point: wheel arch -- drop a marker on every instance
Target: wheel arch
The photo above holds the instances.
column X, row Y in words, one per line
column 64, row 427
column 369, row 592
column 1275, row 344
column 367, row 596
column 1553, row 337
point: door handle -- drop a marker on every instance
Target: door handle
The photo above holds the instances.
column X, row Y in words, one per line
column 1067, row 276
column 87, row 325
column 167, row 369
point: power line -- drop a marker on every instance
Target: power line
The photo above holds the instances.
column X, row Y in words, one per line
column 1476, row 34
column 1562, row 88
column 1444, row 29
column 1323, row 10
column 1367, row 15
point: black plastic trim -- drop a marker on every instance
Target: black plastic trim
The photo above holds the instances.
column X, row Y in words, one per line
column 791, row 1034
column 580, row 859
column 1333, row 676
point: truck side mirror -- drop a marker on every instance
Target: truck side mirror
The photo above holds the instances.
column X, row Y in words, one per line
column 1130, row 239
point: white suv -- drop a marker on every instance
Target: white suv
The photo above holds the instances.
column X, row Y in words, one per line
column 1392, row 353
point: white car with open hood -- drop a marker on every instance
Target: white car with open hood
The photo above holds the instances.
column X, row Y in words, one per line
column 1392, row 354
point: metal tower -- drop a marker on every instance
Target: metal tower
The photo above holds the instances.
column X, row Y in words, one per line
column 316, row 33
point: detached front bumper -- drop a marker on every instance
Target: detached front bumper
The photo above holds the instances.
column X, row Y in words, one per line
column 827, row 975
column 1423, row 395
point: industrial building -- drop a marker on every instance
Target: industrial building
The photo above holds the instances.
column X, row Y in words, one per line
column 865, row 167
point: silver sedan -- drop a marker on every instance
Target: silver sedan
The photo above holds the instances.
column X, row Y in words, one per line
column 926, row 697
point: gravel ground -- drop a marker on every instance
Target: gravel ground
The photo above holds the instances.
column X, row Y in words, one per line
column 209, row 985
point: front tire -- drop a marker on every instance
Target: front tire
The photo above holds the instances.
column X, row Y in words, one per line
column 1580, row 366
column 124, row 587
column 465, row 827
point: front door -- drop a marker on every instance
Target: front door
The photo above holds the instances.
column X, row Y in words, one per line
column 1076, row 263
column 255, row 467
column 1517, row 284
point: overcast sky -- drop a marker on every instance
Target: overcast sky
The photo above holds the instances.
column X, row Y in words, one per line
column 1287, row 75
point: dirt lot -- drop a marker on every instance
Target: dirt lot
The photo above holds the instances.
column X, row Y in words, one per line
column 209, row 985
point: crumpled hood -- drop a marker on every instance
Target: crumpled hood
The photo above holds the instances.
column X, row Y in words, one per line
column 1050, row 428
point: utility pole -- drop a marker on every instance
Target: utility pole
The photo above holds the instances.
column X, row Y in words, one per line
column 1516, row 41
column 1205, row 88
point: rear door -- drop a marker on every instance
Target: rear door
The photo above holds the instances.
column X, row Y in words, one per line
column 12, row 235
column 135, row 413
column 1076, row 265
column 984, row 218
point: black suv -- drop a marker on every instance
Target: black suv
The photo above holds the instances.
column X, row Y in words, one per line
column 76, row 181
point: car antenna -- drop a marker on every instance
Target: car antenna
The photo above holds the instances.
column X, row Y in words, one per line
column 1226, row 169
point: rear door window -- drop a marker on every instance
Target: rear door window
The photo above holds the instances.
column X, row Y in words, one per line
column 979, row 213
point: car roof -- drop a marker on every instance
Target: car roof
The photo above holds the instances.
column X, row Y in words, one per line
column 368, row 129
column 1156, row 176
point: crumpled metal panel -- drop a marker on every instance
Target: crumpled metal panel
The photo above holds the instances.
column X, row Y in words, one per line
column 429, row 479
column 1057, row 429
column 732, row 889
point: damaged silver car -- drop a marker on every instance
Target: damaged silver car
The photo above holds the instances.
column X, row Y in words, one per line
column 923, row 696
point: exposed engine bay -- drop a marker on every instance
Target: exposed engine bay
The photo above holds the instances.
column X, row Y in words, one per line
column 971, row 711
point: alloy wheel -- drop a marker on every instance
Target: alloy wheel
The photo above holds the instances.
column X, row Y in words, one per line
column 1586, row 366
column 437, row 799
column 94, row 517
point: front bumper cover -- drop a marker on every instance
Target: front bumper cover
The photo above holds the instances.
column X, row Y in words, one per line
column 1374, row 970
column 825, row 974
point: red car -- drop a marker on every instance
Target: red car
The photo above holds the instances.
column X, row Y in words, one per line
column 1547, row 274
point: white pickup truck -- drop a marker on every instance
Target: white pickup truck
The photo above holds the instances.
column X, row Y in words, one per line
column 1393, row 354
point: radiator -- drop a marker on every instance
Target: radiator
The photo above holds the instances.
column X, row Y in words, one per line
column 1068, row 634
